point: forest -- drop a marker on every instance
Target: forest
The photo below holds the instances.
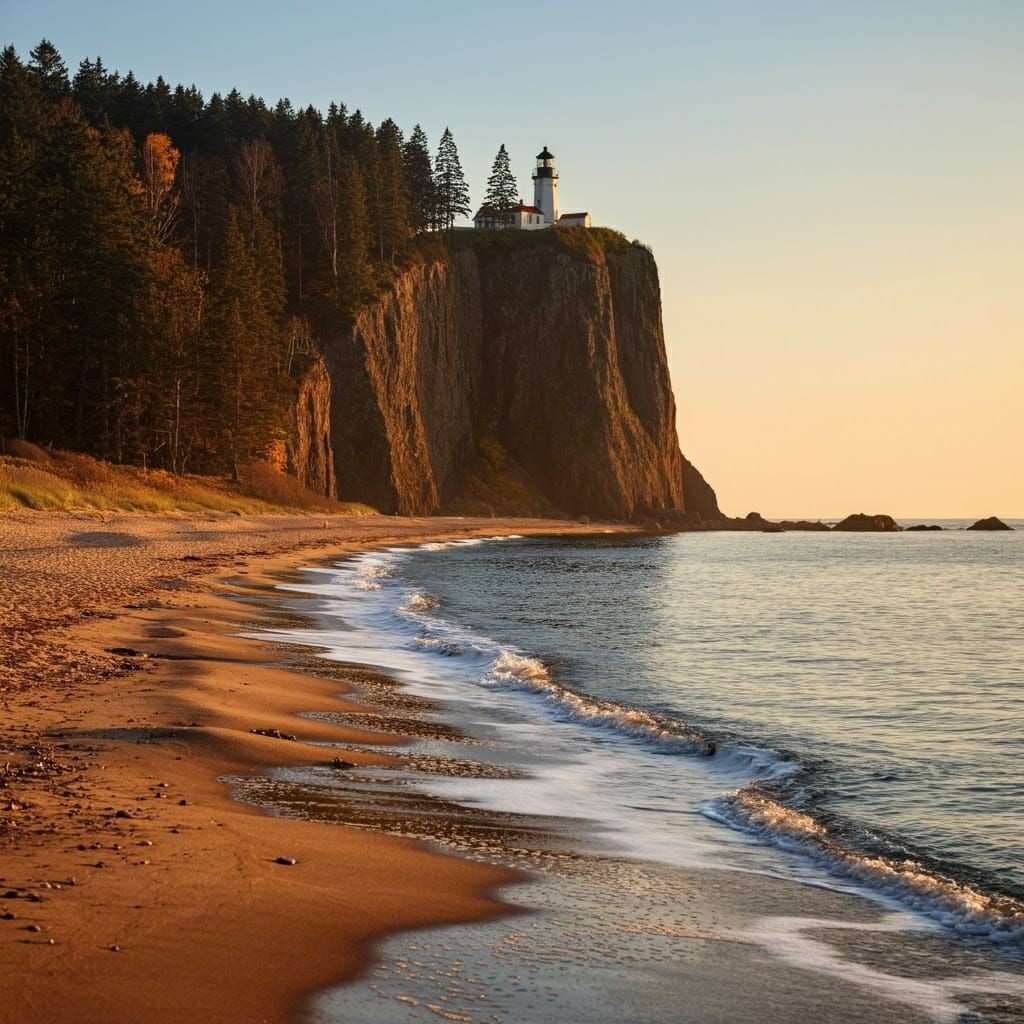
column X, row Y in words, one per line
column 169, row 262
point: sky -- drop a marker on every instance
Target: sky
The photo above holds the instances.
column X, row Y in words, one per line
column 834, row 194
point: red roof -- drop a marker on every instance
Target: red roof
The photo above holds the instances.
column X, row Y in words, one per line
column 570, row 216
column 493, row 211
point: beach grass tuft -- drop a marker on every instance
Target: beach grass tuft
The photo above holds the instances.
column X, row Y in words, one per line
column 34, row 478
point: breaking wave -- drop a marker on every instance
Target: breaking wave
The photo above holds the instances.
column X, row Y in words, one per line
column 968, row 910
column 531, row 674
column 760, row 811
column 449, row 648
column 369, row 574
column 419, row 601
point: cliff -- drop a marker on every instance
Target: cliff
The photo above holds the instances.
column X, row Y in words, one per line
column 550, row 348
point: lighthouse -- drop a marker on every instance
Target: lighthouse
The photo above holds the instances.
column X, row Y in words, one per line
column 545, row 186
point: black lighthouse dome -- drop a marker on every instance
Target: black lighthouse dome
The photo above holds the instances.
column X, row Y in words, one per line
column 545, row 165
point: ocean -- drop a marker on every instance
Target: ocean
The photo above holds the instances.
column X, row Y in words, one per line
column 840, row 712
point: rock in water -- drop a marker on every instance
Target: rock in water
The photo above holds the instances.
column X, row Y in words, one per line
column 860, row 522
column 554, row 352
column 992, row 523
column 922, row 526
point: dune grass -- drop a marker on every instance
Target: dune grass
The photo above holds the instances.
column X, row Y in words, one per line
column 34, row 478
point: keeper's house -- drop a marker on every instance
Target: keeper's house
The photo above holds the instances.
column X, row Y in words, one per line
column 526, row 218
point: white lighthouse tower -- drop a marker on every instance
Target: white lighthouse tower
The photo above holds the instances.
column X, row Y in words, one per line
column 545, row 186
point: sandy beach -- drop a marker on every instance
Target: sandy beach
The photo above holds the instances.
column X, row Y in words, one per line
column 131, row 886
column 159, row 862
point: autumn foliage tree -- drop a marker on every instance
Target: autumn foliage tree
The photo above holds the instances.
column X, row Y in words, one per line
column 159, row 172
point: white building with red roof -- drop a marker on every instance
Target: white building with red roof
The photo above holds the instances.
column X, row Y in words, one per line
column 521, row 216
column 544, row 212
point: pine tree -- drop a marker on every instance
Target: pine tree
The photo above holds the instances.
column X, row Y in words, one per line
column 502, row 190
column 92, row 90
column 166, row 393
column 354, row 232
column 245, row 389
column 452, row 191
column 393, row 224
column 338, row 199
column 48, row 65
column 419, row 174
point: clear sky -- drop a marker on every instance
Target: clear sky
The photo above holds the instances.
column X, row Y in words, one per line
column 834, row 193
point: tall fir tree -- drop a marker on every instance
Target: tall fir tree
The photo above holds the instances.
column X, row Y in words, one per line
column 502, row 190
column 393, row 224
column 354, row 225
column 245, row 390
column 419, row 175
column 46, row 63
column 452, row 190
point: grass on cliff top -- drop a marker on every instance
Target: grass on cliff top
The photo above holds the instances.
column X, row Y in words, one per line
column 34, row 478
column 591, row 244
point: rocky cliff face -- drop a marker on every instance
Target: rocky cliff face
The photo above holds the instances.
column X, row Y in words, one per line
column 556, row 354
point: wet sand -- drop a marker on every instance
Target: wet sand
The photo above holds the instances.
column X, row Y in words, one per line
column 131, row 886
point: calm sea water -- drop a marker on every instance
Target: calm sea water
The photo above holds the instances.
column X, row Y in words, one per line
column 853, row 702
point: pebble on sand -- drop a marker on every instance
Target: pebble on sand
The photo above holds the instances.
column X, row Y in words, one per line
column 286, row 860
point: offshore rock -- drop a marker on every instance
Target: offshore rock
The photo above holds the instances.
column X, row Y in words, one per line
column 553, row 353
column 991, row 523
column 859, row 522
column 804, row 525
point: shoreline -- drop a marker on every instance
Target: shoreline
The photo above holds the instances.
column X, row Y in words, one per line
column 137, row 880
column 747, row 939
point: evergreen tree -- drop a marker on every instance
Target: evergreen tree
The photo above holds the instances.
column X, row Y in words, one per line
column 452, row 191
column 245, row 390
column 419, row 176
column 355, row 236
column 46, row 63
column 93, row 91
column 338, row 198
column 393, row 223
column 165, row 395
column 502, row 190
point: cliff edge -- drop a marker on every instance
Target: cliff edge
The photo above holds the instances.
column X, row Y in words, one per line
column 550, row 348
